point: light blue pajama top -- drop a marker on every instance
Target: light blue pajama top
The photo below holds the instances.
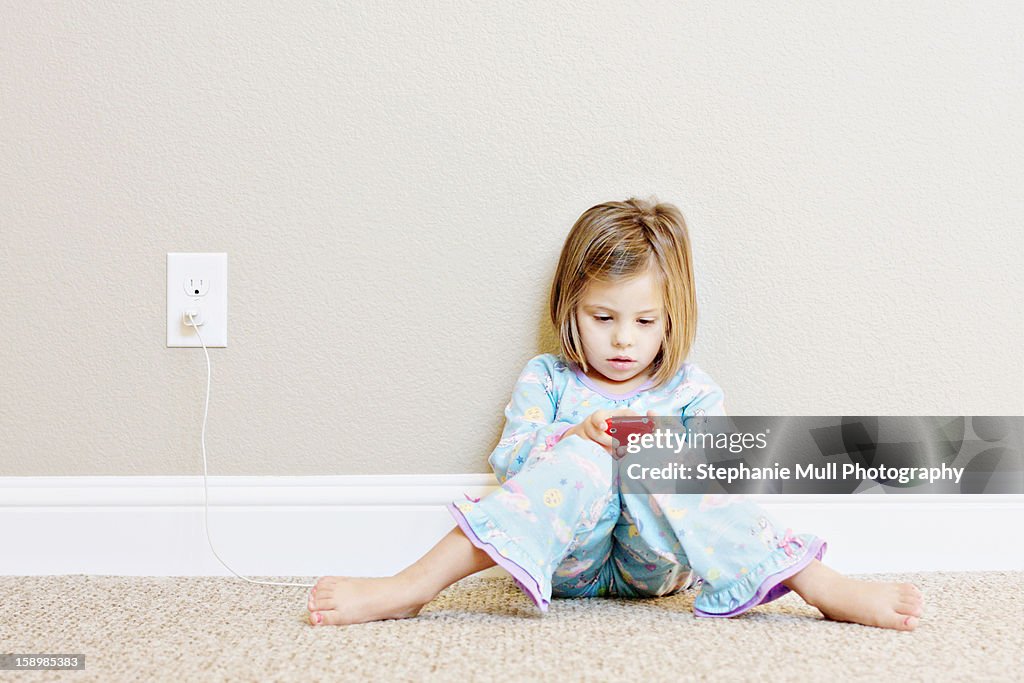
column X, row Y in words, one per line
column 551, row 395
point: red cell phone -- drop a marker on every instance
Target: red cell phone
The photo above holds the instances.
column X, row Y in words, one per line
column 621, row 428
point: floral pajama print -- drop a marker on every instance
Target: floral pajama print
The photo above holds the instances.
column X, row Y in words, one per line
column 559, row 525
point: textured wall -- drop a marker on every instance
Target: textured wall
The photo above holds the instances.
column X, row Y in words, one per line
column 392, row 188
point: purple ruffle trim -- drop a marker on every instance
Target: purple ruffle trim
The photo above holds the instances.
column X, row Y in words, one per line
column 772, row 588
column 522, row 577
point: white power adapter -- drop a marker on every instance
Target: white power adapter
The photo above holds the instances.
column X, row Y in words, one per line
column 196, row 314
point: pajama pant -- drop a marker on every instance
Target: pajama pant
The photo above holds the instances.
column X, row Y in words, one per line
column 561, row 528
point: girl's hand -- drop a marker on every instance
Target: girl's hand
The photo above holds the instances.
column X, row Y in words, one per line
column 594, row 427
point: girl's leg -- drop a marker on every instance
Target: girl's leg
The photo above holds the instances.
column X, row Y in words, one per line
column 743, row 558
column 340, row 600
column 528, row 526
column 647, row 560
column 548, row 525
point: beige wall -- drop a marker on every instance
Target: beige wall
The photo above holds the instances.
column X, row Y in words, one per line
column 392, row 189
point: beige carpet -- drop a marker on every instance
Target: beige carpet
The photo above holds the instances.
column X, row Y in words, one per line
column 199, row 628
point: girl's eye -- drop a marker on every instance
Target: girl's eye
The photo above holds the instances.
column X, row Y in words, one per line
column 605, row 318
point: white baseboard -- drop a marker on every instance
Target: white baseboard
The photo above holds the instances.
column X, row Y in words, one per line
column 377, row 525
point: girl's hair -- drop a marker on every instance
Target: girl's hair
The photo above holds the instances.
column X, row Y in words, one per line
column 616, row 241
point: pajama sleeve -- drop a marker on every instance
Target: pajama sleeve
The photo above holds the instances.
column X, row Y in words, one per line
column 709, row 400
column 529, row 419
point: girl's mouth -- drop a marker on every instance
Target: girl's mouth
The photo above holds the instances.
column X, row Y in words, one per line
column 620, row 364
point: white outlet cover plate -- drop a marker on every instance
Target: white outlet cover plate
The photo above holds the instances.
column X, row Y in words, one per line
column 213, row 269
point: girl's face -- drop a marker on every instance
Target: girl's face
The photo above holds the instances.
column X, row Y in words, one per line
column 621, row 320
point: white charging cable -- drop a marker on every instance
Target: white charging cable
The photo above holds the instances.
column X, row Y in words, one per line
column 206, row 492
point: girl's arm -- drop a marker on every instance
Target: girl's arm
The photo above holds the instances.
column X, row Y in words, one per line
column 529, row 419
column 709, row 399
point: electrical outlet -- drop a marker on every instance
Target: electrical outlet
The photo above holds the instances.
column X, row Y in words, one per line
column 197, row 282
column 196, row 285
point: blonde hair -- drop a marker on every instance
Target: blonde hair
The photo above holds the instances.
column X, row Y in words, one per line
column 617, row 241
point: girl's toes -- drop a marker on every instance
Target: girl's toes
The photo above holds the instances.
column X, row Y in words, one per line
column 908, row 609
column 909, row 597
column 320, row 602
column 329, row 617
column 899, row 622
column 909, row 623
column 323, row 615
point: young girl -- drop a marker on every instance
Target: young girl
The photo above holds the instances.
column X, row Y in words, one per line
column 623, row 303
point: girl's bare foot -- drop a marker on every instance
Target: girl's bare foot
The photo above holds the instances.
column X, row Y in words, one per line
column 873, row 603
column 347, row 600
column 338, row 600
